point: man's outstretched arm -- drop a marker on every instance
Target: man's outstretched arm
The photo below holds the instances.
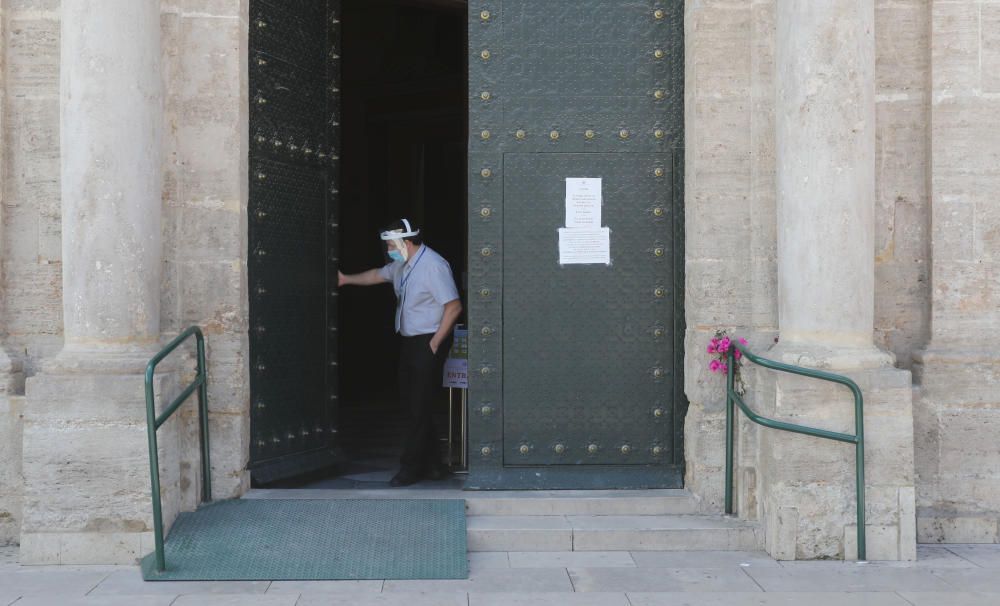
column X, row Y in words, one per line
column 365, row 278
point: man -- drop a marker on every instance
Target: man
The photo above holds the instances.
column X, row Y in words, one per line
column 427, row 308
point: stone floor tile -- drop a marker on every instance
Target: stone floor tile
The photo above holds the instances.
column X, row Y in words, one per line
column 702, row 559
column 932, row 556
column 987, row 556
column 492, row 580
column 131, row 583
column 131, row 600
column 951, row 599
column 768, row 599
column 236, row 600
column 8, row 556
column 351, row 587
column 50, row 581
column 928, row 556
column 548, row 599
column 968, row 579
column 479, row 560
column 664, row 579
column 386, row 599
column 571, row 559
column 837, row 576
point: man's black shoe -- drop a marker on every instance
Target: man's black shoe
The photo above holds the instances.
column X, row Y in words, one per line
column 403, row 479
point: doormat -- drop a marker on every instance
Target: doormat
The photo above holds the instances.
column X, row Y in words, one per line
column 306, row 540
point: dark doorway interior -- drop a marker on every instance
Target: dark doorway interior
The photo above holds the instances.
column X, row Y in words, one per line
column 403, row 151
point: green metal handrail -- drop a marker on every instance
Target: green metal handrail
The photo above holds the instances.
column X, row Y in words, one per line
column 153, row 423
column 858, row 439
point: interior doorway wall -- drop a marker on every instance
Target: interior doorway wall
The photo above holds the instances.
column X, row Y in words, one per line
column 403, row 147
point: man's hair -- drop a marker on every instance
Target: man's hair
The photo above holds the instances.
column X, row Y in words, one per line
column 398, row 225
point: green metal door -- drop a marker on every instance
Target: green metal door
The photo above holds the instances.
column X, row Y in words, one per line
column 576, row 368
column 292, row 228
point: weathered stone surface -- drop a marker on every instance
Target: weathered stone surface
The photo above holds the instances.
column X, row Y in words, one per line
column 11, row 480
column 86, row 466
column 958, row 488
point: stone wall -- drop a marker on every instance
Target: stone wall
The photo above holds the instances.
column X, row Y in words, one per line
column 32, row 287
column 957, row 404
column 902, row 202
column 30, row 304
column 204, row 202
column 204, row 206
column 731, row 211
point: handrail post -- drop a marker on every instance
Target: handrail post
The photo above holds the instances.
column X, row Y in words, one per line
column 206, row 465
column 858, row 439
column 859, row 462
column 153, row 423
column 154, row 469
column 730, row 429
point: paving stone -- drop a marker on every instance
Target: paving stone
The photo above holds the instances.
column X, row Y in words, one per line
column 548, row 599
column 928, row 557
column 932, row 556
column 30, row 581
column 131, row 583
column 237, row 600
column 702, row 559
column 351, row 587
column 839, row 577
column 969, row 579
column 667, row 579
column 131, row 600
column 951, row 599
column 387, row 599
column 480, row 560
column 492, row 580
column 987, row 556
column 767, row 599
column 571, row 559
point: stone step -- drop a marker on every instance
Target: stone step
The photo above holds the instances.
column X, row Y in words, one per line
column 611, row 533
column 516, row 503
column 580, row 503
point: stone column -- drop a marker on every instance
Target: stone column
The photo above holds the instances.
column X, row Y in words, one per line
column 825, row 123
column 85, row 460
column 957, row 405
column 825, row 155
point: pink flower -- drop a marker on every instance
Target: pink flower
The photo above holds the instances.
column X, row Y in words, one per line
column 723, row 368
column 711, row 348
column 715, row 365
column 743, row 341
column 737, row 354
column 724, row 345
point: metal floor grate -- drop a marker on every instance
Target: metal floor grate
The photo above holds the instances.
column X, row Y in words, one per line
column 267, row 539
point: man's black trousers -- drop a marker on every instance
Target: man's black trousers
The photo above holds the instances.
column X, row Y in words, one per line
column 420, row 372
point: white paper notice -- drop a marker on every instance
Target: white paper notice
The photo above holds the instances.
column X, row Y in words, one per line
column 585, row 246
column 583, row 203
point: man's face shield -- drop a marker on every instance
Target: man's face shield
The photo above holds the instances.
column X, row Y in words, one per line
column 395, row 247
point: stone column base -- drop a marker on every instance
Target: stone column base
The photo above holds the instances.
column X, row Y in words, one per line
column 806, row 485
column 86, row 469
